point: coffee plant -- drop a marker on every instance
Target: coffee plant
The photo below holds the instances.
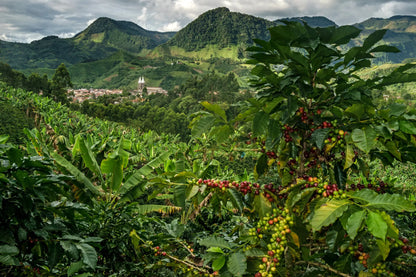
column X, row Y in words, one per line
column 319, row 129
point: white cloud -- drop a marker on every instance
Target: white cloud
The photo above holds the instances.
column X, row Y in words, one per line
column 171, row 27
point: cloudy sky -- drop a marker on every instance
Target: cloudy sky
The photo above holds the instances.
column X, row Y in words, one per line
column 28, row 20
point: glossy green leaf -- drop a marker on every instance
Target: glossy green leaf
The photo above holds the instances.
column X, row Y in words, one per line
column 354, row 223
column 260, row 123
column 88, row 253
column 391, row 146
column 261, row 165
column 365, row 139
column 384, row 247
column 262, row 205
column 318, row 137
column 373, row 38
column 328, row 213
column 408, row 127
column 215, row 109
column 202, row 125
column 218, row 263
column 376, row 225
column 349, row 156
column 216, row 242
column 8, row 250
column 237, row 264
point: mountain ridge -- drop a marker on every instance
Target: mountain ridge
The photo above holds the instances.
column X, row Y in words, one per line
column 217, row 34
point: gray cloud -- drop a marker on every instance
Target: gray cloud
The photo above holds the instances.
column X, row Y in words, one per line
column 27, row 20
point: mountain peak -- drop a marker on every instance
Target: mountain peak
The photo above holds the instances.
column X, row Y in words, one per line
column 221, row 27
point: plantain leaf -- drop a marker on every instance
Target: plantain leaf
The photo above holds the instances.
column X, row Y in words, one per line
column 202, row 125
column 143, row 172
column 114, row 167
column 87, row 156
column 328, row 213
column 75, row 172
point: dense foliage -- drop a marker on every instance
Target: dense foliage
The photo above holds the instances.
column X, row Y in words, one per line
column 220, row 27
column 94, row 198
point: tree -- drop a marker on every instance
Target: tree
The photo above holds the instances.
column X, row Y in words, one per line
column 319, row 129
column 61, row 80
column 319, row 121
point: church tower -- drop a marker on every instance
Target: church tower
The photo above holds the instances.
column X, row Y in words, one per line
column 141, row 84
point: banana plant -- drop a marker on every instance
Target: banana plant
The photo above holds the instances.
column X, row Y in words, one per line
column 111, row 179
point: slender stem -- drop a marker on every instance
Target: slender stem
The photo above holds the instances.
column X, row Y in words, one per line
column 188, row 264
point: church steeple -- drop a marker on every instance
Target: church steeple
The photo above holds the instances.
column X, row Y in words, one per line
column 141, row 83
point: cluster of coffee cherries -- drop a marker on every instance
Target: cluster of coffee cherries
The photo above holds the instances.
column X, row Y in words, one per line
column 270, row 191
column 287, row 131
column 323, row 188
column 380, row 187
column 244, row 187
column 331, row 191
column 272, row 229
column 158, row 251
column 337, row 137
column 292, row 166
column 406, row 248
column 377, row 270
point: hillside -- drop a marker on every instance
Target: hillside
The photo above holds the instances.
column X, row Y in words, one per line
column 101, row 39
column 401, row 33
column 121, row 35
column 221, row 27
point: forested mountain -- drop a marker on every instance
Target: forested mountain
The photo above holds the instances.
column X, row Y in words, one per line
column 122, row 35
column 221, row 27
column 101, row 39
column 401, row 33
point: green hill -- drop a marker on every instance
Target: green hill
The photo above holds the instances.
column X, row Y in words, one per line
column 401, row 33
column 121, row 35
column 222, row 28
column 101, row 39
